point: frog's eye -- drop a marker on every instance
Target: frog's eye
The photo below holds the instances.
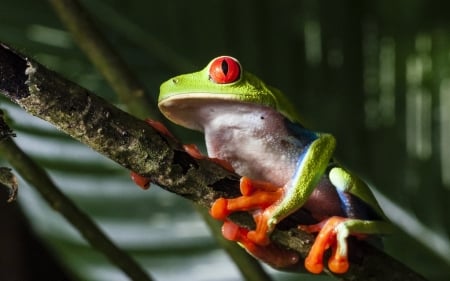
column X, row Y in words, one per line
column 224, row 70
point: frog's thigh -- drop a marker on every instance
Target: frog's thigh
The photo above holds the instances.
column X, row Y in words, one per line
column 356, row 226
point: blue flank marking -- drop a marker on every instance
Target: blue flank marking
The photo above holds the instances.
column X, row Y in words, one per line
column 346, row 205
column 303, row 135
column 304, row 138
column 354, row 207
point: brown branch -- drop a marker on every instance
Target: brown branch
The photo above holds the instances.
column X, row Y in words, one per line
column 7, row 179
column 9, row 182
column 5, row 130
column 34, row 174
column 130, row 92
column 136, row 146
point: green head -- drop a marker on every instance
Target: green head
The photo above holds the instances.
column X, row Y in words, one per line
column 223, row 79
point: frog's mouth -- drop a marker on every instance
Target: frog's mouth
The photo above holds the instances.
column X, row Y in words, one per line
column 193, row 110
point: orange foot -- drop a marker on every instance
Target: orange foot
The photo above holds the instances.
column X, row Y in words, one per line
column 257, row 196
column 327, row 237
column 271, row 254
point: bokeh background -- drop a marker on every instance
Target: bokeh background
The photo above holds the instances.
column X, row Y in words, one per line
column 375, row 74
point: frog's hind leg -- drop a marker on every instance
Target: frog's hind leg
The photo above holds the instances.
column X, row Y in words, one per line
column 333, row 233
column 324, row 240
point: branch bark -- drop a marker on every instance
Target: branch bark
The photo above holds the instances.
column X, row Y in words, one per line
column 130, row 92
column 136, row 146
column 5, row 130
column 34, row 174
column 7, row 179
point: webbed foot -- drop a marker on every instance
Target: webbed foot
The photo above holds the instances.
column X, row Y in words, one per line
column 332, row 234
column 256, row 196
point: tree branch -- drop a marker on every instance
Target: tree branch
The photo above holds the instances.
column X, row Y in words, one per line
column 131, row 93
column 5, row 130
column 7, row 179
column 136, row 146
column 9, row 182
column 33, row 173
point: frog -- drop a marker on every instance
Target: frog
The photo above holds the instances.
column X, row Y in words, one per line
column 252, row 129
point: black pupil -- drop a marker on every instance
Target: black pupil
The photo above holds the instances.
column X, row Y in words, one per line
column 225, row 67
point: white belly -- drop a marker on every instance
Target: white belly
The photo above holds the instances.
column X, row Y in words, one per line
column 256, row 143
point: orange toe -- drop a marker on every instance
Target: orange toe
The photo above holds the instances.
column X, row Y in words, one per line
column 246, row 186
column 249, row 185
column 159, row 127
column 314, row 265
column 219, row 209
column 312, row 228
column 324, row 240
column 193, row 150
column 232, row 231
column 339, row 265
column 225, row 164
column 258, row 237
column 260, row 234
column 141, row 181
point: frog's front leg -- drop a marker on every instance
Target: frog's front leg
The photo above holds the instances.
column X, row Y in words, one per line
column 256, row 195
column 259, row 196
column 270, row 204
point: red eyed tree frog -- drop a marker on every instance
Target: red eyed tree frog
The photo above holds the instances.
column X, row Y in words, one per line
column 284, row 166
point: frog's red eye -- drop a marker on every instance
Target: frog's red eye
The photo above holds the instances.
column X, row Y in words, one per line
column 225, row 70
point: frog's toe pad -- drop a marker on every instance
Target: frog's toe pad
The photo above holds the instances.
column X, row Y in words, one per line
column 219, row 209
column 338, row 265
column 193, row 151
column 259, row 238
column 141, row 181
column 313, row 266
column 159, row 127
column 327, row 238
column 232, row 231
